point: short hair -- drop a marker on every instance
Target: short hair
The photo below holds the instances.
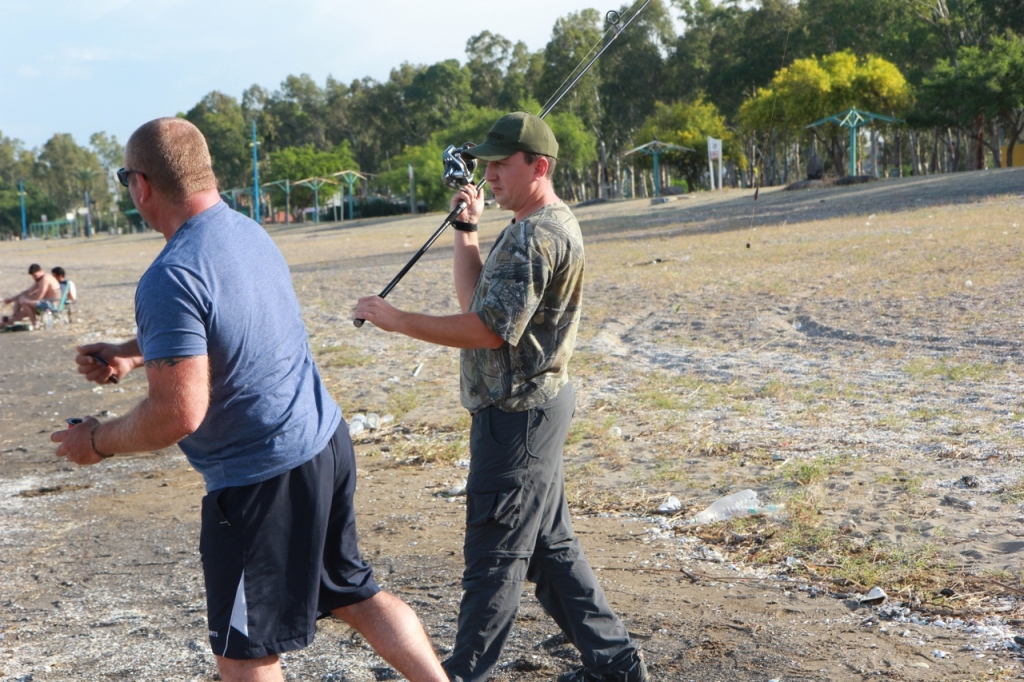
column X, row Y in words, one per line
column 57, row 271
column 173, row 155
column 34, row 268
column 531, row 158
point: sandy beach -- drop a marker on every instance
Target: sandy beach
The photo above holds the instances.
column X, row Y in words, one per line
column 852, row 354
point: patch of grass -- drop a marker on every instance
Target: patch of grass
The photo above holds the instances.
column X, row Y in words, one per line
column 773, row 388
column 926, row 414
column 826, row 552
column 808, row 471
column 441, row 449
column 340, row 357
column 944, row 368
column 910, row 483
column 400, row 403
column 671, row 470
column 590, row 429
column 1013, row 493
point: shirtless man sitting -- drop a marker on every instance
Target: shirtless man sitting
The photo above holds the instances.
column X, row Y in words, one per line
column 45, row 288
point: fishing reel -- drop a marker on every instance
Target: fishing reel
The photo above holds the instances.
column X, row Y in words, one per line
column 458, row 169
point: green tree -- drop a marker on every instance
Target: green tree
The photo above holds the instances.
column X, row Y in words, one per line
column 572, row 40
column 66, row 171
column 301, row 163
column 488, row 56
column 726, row 52
column 18, row 164
column 436, row 96
column 632, row 74
column 710, row 31
column 521, row 76
column 689, row 125
column 293, row 116
column 108, row 149
column 811, row 89
column 220, row 119
column 380, row 123
column 577, row 150
column 979, row 85
column 426, row 161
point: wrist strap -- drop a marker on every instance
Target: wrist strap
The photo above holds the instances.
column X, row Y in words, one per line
column 92, row 441
column 463, row 226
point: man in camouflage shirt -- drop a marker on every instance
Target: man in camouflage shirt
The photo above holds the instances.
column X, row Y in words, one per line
column 521, row 310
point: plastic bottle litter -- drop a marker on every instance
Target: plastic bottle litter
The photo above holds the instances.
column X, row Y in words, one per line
column 356, row 427
column 672, row 504
column 743, row 503
column 48, row 320
column 387, row 419
column 874, row 597
column 615, row 432
column 372, row 420
column 456, row 490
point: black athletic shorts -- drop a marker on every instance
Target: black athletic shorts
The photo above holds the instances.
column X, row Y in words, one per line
column 279, row 554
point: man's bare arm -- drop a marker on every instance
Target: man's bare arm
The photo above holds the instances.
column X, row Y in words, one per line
column 179, row 396
column 465, row 330
column 178, row 399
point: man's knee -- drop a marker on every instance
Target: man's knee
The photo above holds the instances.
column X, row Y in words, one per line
column 380, row 605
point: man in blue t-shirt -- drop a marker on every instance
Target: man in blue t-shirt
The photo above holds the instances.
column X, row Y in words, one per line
column 236, row 388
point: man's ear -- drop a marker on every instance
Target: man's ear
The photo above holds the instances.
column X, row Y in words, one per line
column 145, row 188
column 541, row 169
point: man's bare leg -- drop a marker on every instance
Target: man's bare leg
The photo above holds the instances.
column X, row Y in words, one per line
column 394, row 631
column 22, row 309
column 266, row 669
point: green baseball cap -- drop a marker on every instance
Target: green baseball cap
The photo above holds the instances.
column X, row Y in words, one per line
column 516, row 132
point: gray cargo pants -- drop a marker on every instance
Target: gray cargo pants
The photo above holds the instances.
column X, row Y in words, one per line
column 518, row 528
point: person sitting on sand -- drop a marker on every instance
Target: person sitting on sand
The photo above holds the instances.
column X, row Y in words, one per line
column 62, row 279
column 45, row 288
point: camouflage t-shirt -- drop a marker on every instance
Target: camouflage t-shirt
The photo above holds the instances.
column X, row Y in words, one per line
column 529, row 294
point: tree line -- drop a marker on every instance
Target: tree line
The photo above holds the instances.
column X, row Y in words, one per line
column 753, row 75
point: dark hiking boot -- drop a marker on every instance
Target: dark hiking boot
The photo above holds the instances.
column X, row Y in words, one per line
column 637, row 672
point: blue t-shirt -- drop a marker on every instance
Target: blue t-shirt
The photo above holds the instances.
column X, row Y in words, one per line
column 221, row 288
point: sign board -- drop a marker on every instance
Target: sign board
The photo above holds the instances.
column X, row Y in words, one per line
column 714, row 154
column 714, row 149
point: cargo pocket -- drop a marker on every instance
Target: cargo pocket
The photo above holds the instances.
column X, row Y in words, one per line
column 498, row 508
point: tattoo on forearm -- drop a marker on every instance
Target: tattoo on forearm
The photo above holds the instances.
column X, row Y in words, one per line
column 160, row 363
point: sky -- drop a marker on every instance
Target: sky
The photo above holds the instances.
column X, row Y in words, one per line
column 84, row 66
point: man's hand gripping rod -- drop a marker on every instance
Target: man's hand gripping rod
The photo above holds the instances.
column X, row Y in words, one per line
column 459, row 170
column 423, row 249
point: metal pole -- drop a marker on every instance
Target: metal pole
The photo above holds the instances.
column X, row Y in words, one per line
column 351, row 199
column 88, row 216
column 657, row 177
column 316, row 202
column 24, row 224
column 287, row 201
column 255, row 175
column 853, row 151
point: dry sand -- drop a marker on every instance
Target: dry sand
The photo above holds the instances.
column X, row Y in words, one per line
column 853, row 354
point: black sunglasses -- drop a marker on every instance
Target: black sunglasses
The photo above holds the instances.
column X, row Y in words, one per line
column 123, row 173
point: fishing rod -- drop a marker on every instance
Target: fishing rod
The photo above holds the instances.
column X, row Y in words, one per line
column 459, row 169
